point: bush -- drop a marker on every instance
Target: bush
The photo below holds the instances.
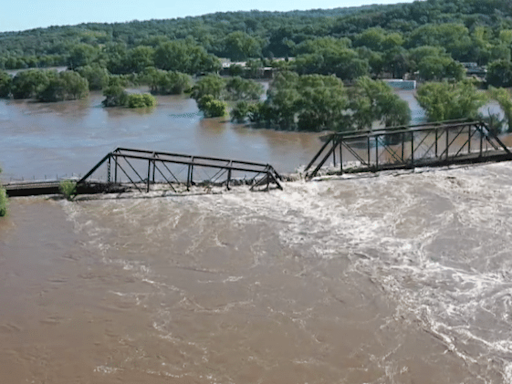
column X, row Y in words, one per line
column 3, row 202
column 97, row 76
column 208, row 85
column 141, row 101
column 167, row 83
column 212, row 107
column 240, row 111
column 66, row 85
column 243, row 89
column 28, row 84
column 114, row 96
column 5, row 84
column 68, row 189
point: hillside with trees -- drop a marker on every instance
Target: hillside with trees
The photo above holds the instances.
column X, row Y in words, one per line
column 369, row 40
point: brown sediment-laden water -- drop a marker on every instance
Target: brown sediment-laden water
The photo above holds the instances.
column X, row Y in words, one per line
column 397, row 278
column 44, row 140
column 391, row 278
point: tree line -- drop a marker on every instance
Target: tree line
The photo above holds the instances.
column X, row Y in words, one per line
column 426, row 38
column 309, row 102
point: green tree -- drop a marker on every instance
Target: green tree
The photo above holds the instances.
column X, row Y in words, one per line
column 28, row 84
column 115, row 96
column 81, row 55
column 323, row 100
column 236, row 70
column 140, row 100
column 167, row 82
column 96, row 75
column 212, row 107
column 240, row 46
column 67, row 85
column 76, row 86
column 253, row 68
column 342, row 62
column 243, row 89
column 450, row 101
column 321, row 44
column 240, row 112
column 208, row 85
column 499, row 73
column 139, row 58
column 374, row 100
column 184, row 56
column 372, row 38
column 309, row 102
column 5, row 84
column 454, row 37
column 439, row 68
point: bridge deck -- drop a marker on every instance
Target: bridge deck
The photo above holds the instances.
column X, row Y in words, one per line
column 430, row 145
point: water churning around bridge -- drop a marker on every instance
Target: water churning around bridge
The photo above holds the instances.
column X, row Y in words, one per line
column 386, row 279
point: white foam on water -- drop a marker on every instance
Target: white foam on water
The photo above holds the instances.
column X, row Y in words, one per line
column 435, row 241
column 461, row 292
column 507, row 373
column 105, row 369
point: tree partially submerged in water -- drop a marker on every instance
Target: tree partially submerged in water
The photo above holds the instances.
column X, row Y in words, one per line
column 451, row 101
column 136, row 100
column 116, row 96
column 5, row 84
column 167, row 82
column 212, row 107
column 96, row 75
column 208, row 85
column 210, row 92
column 375, row 101
column 29, row 84
column 243, row 89
column 66, row 85
column 45, row 85
column 318, row 103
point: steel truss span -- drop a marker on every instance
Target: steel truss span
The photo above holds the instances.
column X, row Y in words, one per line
column 144, row 168
column 428, row 145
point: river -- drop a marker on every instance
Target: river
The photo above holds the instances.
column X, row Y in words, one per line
column 392, row 278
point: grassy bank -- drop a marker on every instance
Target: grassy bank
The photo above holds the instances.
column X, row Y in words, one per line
column 3, row 202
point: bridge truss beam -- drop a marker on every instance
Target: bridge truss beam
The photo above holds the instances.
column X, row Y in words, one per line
column 438, row 144
column 143, row 168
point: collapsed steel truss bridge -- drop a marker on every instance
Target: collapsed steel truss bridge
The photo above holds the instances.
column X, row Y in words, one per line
column 143, row 168
column 435, row 144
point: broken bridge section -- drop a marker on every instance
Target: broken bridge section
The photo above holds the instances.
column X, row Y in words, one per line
column 427, row 145
column 143, row 168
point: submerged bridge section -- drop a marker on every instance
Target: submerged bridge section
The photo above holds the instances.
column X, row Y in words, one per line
column 142, row 168
column 428, row 145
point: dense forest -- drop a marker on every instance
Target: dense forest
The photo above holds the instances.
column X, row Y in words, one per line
column 425, row 40
column 368, row 40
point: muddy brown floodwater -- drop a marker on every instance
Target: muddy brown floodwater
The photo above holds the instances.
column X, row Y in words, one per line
column 396, row 278
column 42, row 140
column 391, row 279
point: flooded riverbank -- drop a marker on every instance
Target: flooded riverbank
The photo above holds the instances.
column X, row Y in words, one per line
column 70, row 137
